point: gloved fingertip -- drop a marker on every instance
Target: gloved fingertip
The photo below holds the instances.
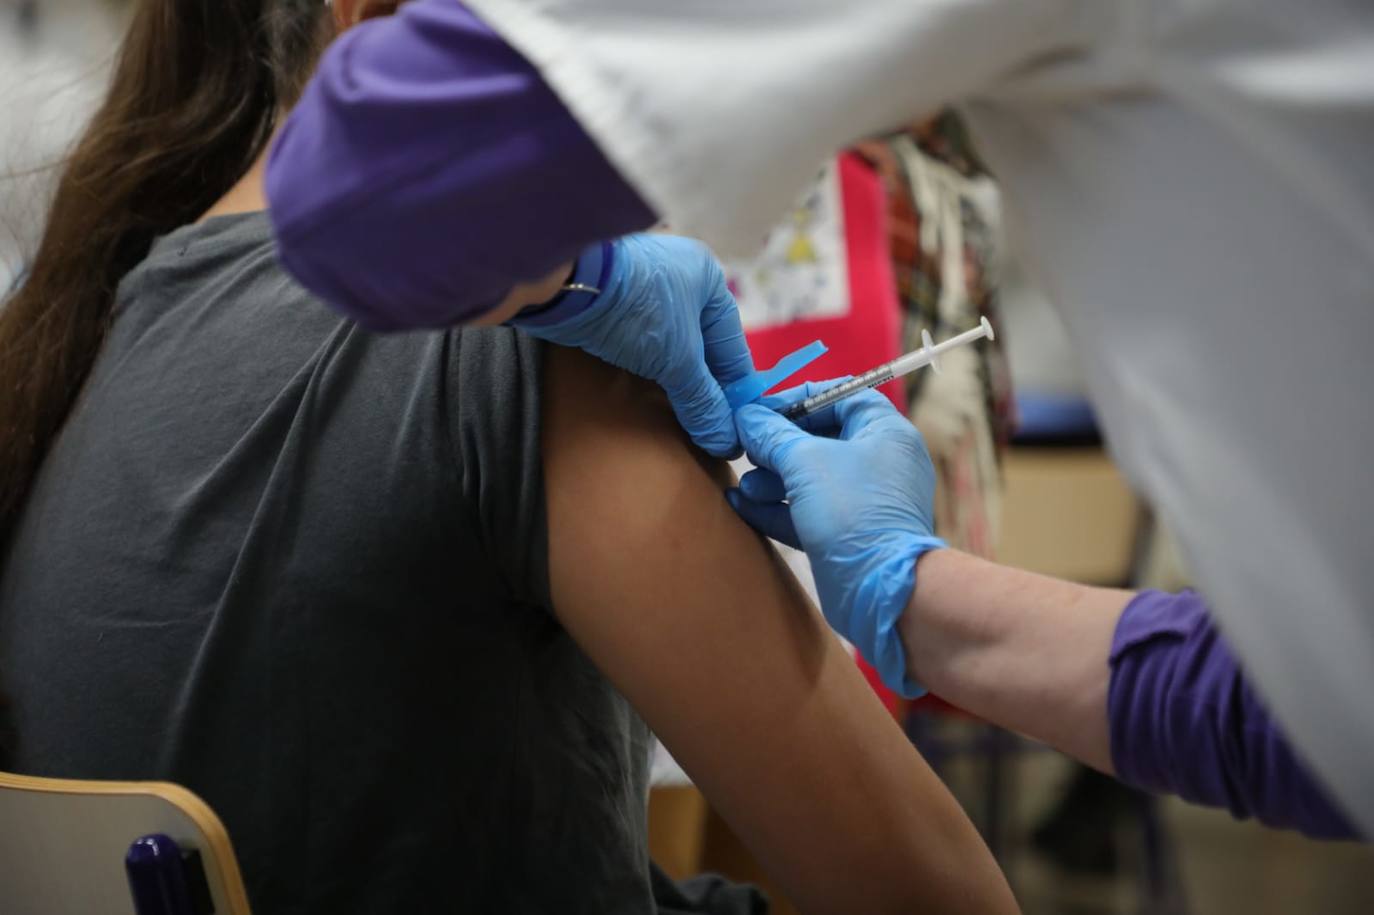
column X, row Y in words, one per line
column 716, row 450
column 772, row 520
column 721, row 450
column 753, row 414
column 719, row 441
column 747, row 510
column 763, row 485
column 747, row 483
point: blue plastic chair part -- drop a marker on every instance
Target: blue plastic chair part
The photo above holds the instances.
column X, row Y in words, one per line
column 1050, row 419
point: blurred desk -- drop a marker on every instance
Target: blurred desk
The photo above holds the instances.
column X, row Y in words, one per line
column 677, row 829
column 1067, row 512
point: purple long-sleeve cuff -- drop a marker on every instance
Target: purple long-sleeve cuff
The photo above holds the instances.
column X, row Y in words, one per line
column 1184, row 720
column 427, row 169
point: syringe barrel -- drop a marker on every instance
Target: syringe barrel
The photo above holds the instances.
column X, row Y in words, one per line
column 870, row 379
column 884, row 373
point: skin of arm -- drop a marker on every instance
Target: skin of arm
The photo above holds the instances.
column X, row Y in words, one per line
column 1021, row 650
column 697, row 622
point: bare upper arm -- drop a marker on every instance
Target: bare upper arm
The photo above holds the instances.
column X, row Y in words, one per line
column 695, row 620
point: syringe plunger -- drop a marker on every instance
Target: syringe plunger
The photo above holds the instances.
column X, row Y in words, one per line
column 928, row 354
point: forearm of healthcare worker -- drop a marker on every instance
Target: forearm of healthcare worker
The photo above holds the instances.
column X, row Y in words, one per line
column 428, row 177
column 1140, row 685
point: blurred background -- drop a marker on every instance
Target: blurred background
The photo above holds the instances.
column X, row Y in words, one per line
column 897, row 236
column 903, row 234
column 54, row 59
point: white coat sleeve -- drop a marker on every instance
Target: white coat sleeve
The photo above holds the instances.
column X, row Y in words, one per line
column 719, row 111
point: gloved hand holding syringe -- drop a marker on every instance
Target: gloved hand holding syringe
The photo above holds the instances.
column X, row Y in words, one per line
column 928, row 354
column 852, row 486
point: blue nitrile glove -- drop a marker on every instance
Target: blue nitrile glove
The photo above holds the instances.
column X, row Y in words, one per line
column 860, row 504
column 664, row 313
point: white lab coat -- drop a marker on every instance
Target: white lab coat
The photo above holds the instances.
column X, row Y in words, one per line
column 1192, row 182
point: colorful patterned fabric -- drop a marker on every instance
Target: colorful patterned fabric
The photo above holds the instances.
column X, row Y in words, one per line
column 942, row 216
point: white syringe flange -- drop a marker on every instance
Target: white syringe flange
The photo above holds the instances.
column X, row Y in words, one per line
column 929, row 353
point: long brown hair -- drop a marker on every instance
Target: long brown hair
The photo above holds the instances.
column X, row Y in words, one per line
column 196, row 92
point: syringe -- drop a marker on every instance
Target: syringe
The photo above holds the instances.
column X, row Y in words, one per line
column 928, row 354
